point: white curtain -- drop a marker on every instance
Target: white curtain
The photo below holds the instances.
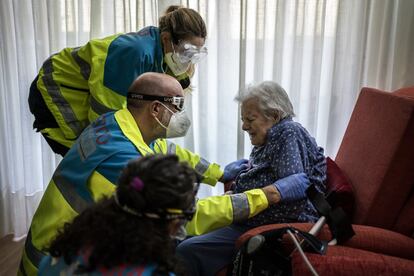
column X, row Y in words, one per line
column 30, row 32
column 321, row 51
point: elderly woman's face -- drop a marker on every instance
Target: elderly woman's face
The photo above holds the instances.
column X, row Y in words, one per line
column 254, row 122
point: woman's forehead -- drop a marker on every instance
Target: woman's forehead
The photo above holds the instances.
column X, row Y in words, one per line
column 196, row 41
column 250, row 103
column 250, row 106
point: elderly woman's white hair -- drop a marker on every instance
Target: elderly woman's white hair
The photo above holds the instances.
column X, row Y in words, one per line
column 272, row 98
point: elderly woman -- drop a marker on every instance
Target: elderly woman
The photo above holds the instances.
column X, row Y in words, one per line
column 285, row 154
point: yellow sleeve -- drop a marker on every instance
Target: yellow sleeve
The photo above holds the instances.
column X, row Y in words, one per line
column 211, row 172
column 218, row 211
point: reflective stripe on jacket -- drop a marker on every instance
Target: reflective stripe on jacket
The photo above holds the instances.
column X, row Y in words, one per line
column 218, row 211
column 80, row 84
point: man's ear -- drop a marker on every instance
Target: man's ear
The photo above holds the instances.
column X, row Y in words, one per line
column 154, row 108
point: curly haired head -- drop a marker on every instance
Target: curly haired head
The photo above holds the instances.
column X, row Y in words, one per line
column 114, row 237
column 166, row 184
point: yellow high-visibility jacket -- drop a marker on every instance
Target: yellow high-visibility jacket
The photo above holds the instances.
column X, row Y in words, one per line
column 80, row 84
column 91, row 168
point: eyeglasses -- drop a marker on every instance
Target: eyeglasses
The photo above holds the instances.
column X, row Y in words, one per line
column 178, row 102
column 168, row 213
column 187, row 52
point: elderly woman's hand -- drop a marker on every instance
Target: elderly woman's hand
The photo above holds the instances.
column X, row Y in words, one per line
column 272, row 194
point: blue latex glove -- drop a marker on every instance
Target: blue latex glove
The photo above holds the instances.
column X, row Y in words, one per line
column 233, row 169
column 292, row 187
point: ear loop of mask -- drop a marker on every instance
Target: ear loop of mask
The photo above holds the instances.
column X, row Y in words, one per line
column 175, row 55
column 159, row 122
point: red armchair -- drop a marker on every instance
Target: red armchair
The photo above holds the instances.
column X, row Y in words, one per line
column 377, row 155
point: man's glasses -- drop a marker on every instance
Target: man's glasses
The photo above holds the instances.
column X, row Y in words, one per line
column 178, row 102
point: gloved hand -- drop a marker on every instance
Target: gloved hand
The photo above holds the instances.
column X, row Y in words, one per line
column 233, row 169
column 292, row 187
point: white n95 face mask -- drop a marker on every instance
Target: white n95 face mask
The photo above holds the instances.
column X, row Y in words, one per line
column 176, row 67
column 178, row 125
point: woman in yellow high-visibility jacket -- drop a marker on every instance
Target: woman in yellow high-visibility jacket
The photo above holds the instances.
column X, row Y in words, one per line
column 78, row 84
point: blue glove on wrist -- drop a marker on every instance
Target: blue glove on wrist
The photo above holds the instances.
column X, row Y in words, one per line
column 292, row 187
column 233, row 169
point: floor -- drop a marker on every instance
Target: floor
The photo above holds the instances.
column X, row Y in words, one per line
column 10, row 253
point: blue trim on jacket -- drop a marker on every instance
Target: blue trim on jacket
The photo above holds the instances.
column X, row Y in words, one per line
column 130, row 55
column 103, row 147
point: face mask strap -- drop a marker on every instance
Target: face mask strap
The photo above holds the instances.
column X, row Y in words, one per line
column 172, row 45
column 174, row 56
column 168, row 214
column 166, row 107
column 159, row 122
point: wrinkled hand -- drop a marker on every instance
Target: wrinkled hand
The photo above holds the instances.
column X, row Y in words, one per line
column 272, row 194
column 229, row 186
column 233, row 169
column 292, row 187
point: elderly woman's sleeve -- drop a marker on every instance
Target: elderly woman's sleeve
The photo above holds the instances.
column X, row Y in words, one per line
column 288, row 159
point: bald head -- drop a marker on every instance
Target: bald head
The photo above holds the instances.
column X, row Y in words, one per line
column 149, row 113
column 156, row 84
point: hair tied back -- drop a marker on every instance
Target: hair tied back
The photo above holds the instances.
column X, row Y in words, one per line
column 137, row 183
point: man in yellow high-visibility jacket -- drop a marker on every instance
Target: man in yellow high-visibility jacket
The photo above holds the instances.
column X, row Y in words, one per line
column 91, row 167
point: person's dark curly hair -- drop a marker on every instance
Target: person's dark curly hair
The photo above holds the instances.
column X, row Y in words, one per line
column 116, row 237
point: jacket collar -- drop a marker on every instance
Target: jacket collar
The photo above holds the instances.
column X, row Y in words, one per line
column 130, row 129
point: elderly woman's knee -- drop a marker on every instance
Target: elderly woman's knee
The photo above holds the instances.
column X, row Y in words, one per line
column 186, row 247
